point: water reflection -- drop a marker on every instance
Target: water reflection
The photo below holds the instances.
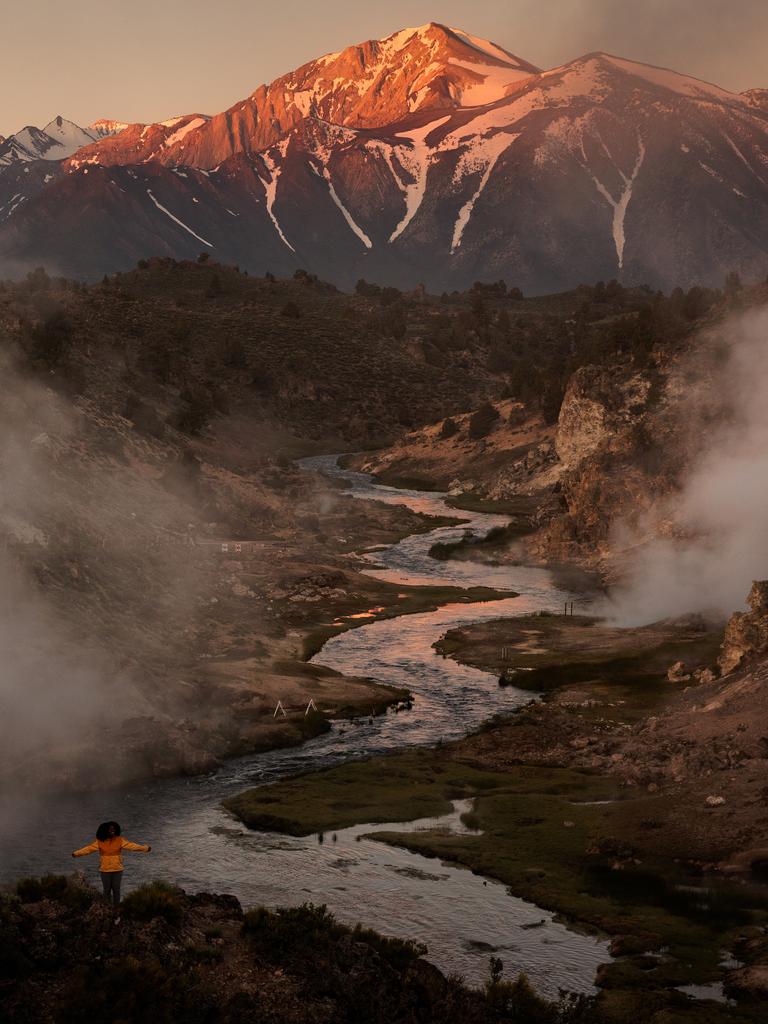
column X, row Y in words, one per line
column 458, row 915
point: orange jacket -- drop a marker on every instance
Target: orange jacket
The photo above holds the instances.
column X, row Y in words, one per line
column 110, row 851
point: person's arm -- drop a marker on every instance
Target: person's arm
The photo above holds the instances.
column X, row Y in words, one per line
column 137, row 847
column 90, row 848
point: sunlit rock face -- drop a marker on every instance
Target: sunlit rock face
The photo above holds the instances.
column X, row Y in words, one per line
column 746, row 635
column 429, row 156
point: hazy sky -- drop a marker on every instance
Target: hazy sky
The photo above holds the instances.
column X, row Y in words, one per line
column 152, row 59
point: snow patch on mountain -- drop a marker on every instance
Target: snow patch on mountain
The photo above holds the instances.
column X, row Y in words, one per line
column 174, row 218
column 743, row 159
column 180, row 133
column 486, row 47
column 619, row 204
column 326, row 175
column 270, row 187
column 69, row 137
column 415, row 159
column 104, row 128
column 682, row 84
column 487, row 153
column 488, row 82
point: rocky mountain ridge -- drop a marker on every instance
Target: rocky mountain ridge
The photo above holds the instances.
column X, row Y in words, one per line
column 58, row 140
column 428, row 156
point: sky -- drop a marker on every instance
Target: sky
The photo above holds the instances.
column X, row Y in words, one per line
column 153, row 59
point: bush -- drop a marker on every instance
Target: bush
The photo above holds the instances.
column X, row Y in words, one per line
column 482, row 421
column 516, row 1000
column 52, row 338
column 144, row 418
column 157, row 899
column 297, row 932
column 449, row 428
column 398, row 953
column 291, row 310
column 130, row 991
column 13, row 962
column 289, row 930
column 197, row 408
column 49, row 887
column 54, row 887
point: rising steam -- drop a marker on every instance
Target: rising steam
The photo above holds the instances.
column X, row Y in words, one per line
column 723, row 507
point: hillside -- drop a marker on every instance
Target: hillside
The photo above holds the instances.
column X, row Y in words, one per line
column 201, row 958
column 627, row 431
column 146, row 422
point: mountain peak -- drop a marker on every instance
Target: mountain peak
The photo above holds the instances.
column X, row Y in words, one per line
column 650, row 74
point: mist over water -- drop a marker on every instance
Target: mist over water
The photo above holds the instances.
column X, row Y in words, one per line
column 722, row 509
column 74, row 522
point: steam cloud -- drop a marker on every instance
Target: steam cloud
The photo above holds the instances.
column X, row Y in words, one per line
column 724, row 503
column 68, row 506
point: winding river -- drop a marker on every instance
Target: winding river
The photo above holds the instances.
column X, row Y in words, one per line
column 459, row 916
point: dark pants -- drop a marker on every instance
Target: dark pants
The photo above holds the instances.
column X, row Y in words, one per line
column 111, row 881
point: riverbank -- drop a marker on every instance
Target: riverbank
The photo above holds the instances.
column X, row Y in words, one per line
column 257, row 608
column 555, row 817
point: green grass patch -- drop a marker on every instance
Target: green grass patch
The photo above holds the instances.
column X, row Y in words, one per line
column 403, row 787
column 542, row 833
column 477, row 503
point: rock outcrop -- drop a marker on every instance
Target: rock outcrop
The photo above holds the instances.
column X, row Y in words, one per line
column 746, row 634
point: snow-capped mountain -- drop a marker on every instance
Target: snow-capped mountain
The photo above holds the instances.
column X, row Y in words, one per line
column 104, row 127
column 59, row 140
column 428, row 156
column 365, row 86
column 141, row 143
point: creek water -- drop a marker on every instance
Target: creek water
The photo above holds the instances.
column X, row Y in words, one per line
column 460, row 917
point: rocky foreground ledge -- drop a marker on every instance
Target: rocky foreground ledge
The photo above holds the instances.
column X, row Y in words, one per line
column 175, row 958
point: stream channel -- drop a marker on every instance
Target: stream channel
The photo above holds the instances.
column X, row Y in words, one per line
column 460, row 917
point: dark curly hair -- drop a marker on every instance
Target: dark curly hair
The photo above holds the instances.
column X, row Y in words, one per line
column 102, row 832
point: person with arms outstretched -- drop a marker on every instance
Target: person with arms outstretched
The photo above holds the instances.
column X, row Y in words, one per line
column 109, row 844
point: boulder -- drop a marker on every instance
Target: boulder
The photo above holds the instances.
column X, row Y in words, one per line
column 704, row 675
column 676, row 673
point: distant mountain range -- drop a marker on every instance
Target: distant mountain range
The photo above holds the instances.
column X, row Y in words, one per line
column 58, row 140
column 431, row 155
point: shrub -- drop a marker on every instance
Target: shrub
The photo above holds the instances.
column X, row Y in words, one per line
column 197, row 408
column 215, row 287
column 52, row 338
column 157, row 899
column 516, row 1000
column 54, row 887
column 289, row 930
column 291, row 310
column 49, row 887
column 449, row 428
column 482, row 421
column 13, row 961
column 551, row 400
column 398, row 953
column 144, row 418
column 130, row 990
column 204, row 954
column 296, row 932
